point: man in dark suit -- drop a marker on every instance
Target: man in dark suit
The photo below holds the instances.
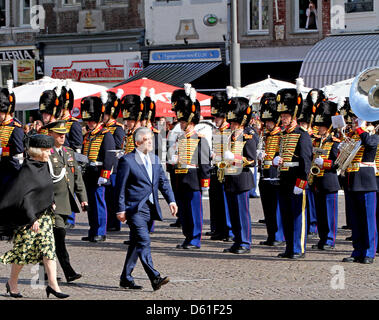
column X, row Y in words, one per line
column 68, row 185
column 139, row 177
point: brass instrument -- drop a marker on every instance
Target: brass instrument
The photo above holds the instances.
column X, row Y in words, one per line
column 364, row 101
column 315, row 169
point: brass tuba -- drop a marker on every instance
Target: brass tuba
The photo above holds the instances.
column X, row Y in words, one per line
column 364, row 102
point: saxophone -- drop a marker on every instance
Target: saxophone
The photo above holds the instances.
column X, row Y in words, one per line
column 315, row 169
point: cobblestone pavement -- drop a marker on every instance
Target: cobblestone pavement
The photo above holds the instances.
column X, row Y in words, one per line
column 209, row 274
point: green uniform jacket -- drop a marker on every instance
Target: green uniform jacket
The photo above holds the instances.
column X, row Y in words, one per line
column 71, row 184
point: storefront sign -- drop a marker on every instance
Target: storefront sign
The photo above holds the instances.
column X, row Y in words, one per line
column 196, row 55
column 110, row 68
column 24, row 70
column 8, row 55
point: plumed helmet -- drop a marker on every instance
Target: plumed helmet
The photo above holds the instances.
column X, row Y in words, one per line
column 51, row 102
column 267, row 107
column 150, row 106
column 324, row 113
column 112, row 103
column 131, row 107
column 7, row 98
column 310, row 104
column 219, row 104
column 239, row 110
column 185, row 104
column 346, row 111
column 289, row 100
column 92, row 109
column 67, row 96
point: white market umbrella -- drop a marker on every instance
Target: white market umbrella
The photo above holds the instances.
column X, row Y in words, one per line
column 255, row 91
column 338, row 90
column 27, row 95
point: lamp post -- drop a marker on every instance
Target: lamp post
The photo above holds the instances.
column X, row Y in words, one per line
column 235, row 63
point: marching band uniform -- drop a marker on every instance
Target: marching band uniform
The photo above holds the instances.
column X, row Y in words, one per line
column 11, row 137
column 192, row 169
column 112, row 109
column 68, row 184
column 325, row 185
column 221, row 228
column 296, row 153
column 97, row 143
column 238, row 176
column 269, row 181
column 377, row 182
column 306, row 118
column 361, row 187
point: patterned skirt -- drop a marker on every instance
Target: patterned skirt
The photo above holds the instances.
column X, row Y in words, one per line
column 30, row 247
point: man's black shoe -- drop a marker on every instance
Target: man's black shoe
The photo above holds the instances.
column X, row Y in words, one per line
column 159, row 282
column 325, row 247
column 217, row 236
column 187, row 247
column 98, row 239
column 346, row 227
column 296, row 256
column 284, row 255
column 262, row 221
column 349, row 239
column 74, row 277
column 129, row 285
column 367, row 260
column 352, row 259
column 237, row 250
column 87, row 238
column 127, row 242
column 176, row 225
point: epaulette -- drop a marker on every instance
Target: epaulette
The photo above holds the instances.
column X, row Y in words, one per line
column 73, row 119
column 335, row 139
column 248, row 136
column 155, row 130
column 276, row 130
column 118, row 124
column 17, row 124
column 105, row 130
column 306, row 130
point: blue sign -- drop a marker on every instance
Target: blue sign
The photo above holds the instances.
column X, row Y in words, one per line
column 197, row 55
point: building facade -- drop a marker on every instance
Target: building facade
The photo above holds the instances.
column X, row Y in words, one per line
column 95, row 41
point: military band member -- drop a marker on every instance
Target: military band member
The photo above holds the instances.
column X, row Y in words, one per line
column 50, row 107
column 238, row 176
column 361, row 187
column 221, row 228
column 192, row 169
column 376, row 127
column 293, row 162
column 324, row 180
column 345, row 111
column 74, row 135
column 269, row 181
column 306, row 121
column 97, row 142
column 11, row 136
column 112, row 110
column 68, row 184
column 132, row 110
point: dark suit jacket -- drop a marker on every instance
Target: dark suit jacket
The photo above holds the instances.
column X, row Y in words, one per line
column 133, row 185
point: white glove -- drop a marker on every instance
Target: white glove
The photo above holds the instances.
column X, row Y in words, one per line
column 174, row 159
column 261, row 154
column 276, row 161
column 319, row 162
column 1, row 151
column 297, row 190
column 102, row 181
column 228, row 156
column 204, row 188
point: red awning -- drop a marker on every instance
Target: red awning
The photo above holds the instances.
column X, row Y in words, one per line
column 163, row 92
